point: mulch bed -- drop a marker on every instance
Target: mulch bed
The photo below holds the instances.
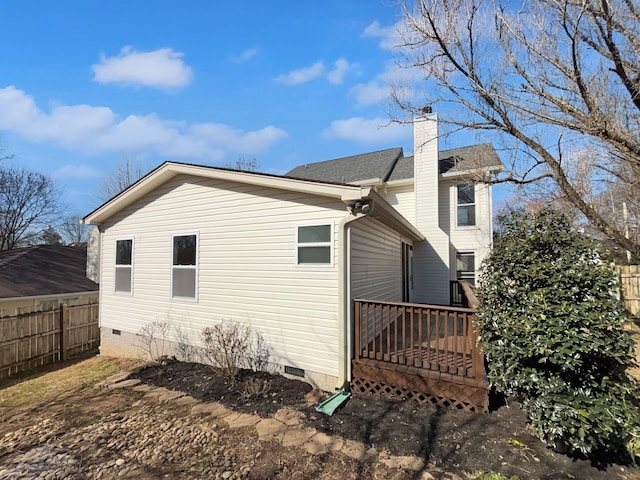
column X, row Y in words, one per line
column 450, row 439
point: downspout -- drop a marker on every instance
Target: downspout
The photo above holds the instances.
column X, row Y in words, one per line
column 344, row 291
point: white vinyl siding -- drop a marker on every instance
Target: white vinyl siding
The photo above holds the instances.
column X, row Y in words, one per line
column 123, row 269
column 402, row 198
column 247, row 268
column 376, row 266
column 477, row 239
column 376, row 261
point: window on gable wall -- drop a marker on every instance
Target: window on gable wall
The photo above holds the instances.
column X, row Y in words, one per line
column 124, row 266
column 466, row 202
column 184, row 269
column 314, row 245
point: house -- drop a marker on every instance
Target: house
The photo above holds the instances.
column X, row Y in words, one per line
column 442, row 198
column 190, row 245
column 42, row 277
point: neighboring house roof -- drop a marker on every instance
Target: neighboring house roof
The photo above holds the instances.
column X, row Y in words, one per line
column 44, row 270
column 349, row 194
column 391, row 164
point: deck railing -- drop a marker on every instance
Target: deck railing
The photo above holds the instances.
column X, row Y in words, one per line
column 455, row 294
column 437, row 338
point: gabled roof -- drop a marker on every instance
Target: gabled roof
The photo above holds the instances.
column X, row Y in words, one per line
column 349, row 194
column 168, row 170
column 44, row 270
column 389, row 165
column 469, row 159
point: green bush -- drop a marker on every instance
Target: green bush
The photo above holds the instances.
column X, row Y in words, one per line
column 551, row 327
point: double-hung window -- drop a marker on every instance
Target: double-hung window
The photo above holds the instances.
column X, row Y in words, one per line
column 466, row 204
column 123, row 281
column 466, row 267
column 184, row 268
column 314, row 245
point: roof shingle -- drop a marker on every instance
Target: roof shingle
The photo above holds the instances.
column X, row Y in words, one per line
column 44, row 270
column 391, row 164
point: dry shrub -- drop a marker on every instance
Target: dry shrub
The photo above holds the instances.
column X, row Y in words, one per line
column 254, row 388
column 229, row 346
column 152, row 339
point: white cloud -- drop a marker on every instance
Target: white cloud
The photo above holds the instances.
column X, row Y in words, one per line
column 246, row 55
column 76, row 172
column 368, row 131
column 302, row 75
column 376, row 90
column 238, row 140
column 97, row 130
column 370, row 93
column 163, row 68
column 390, row 37
column 336, row 76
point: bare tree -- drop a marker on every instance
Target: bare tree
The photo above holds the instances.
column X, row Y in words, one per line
column 50, row 236
column 558, row 81
column 73, row 231
column 126, row 173
column 243, row 164
column 29, row 203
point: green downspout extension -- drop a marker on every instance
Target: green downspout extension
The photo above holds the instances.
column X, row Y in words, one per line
column 344, row 294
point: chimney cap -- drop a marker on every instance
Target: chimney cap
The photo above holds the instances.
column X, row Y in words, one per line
column 427, row 109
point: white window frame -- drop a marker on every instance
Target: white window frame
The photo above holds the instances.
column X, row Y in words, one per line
column 474, row 204
column 195, row 267
column 329, row 244
column 475, row 256
column 117, row 266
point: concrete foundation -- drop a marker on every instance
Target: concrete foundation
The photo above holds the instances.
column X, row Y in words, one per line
column 115, row 343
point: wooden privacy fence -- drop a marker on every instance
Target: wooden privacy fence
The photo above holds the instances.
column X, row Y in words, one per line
column 424, row 352
column 630, row 288
column 40, row 337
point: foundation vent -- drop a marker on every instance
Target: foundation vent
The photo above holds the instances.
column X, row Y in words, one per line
column 298, row 372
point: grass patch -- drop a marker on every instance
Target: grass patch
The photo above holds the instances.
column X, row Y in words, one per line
column 33, row 389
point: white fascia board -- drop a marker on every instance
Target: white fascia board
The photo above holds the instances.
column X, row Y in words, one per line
column 168, row 170
column 370, row 182
column 401, row 182
column 473, row 171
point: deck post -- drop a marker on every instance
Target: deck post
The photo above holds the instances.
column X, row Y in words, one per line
column 358, row 329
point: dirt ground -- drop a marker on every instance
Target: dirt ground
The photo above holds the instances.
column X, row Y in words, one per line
column 448, row 439
column 55, row 424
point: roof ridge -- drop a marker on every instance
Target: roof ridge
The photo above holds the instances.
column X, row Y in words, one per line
column 351, row 156
column 392, row 166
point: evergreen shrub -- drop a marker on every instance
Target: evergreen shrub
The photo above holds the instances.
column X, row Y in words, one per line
column 551, row 327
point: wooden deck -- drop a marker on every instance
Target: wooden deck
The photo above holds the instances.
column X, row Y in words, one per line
column 424, row 352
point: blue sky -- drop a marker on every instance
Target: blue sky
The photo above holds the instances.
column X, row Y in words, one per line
column 85, row 84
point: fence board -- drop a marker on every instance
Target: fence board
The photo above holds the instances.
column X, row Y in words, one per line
column 36, row 337
column 630, row 288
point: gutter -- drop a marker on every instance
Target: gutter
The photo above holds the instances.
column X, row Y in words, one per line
column 344, row 290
